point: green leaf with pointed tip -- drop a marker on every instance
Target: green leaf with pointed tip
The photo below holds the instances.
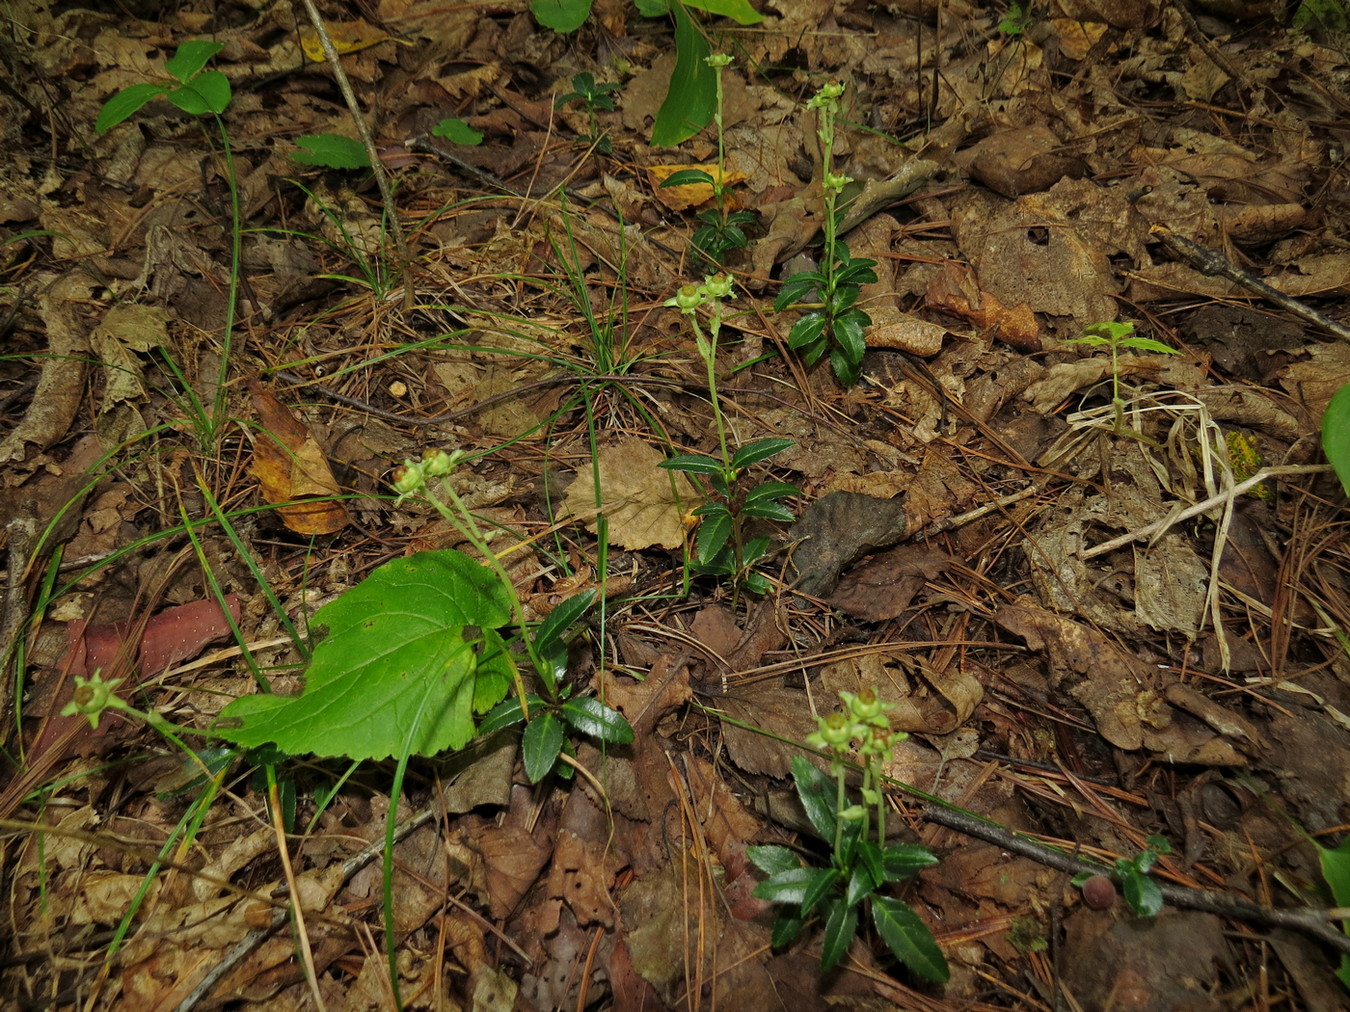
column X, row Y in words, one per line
column 692, row 463
column 759, row 449
column 398, row 658
column 909, row 938
column 563, row 16
column 771, row 858
column 456, row 131
column 593, row 718
column 126, row 103
column 191, row 57
column 841, row 924
column 692, row 98
column 817, row 794
column 540, row 745
column 331, row 151
column 207, row 92
column 687, row 177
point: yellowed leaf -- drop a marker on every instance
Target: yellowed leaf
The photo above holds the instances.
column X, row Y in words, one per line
column 347, row 37
column 681, row 198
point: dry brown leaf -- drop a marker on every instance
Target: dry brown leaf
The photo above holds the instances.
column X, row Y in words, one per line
column 290, row 465
column 636, row 497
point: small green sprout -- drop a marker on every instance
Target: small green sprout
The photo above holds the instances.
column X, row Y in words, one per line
column 595, row 96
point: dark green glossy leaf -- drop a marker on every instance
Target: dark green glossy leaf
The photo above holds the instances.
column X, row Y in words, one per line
column 788, row 886
column 712, row 535
column 807, row 330
column 769, row 511
column 785, row 929
column 902, row 860
column 687, row 177
column 909, row 938
column 758, row 449
column 817, row 793
column 1141, row 893
column 692, row 463
column 841, row 925
column 771, row 858
column 561, row 618
column 769, row 491
column 540, row 744
column 593, row 718
column 821, row 886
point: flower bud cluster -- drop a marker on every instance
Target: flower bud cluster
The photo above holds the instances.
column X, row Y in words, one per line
column 411, row 476
column 690, row 297
column 864, row 720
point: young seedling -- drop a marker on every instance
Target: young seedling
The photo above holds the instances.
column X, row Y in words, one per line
column 721, row 232
column 862, row 863
column 1116, row 336
column 196, row 91
column 832, row 322
column 721, row 548
column 595, row 96
column 1141, row 893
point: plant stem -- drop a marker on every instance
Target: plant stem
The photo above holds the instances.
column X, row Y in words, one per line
column 232, row 298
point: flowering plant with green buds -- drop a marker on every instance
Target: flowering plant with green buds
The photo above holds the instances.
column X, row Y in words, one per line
column 862, row 863
column 722, row 548
column 831, row 320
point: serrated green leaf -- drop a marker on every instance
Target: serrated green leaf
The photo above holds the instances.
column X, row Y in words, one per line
column 796, row 288
column 712, row 535
column 903, row 860
column 776, row 512
column 563, row 616
column 563, row 16
column 713, row 509
column 507, row 713
column 771, row 858
column 456, row 131
column 540, row 745
column 821, row 885
column 207, row 92
column 809, row 329
column 692, row 464
column 191, row 58
column 788, row 886
column 331, row 151
column 909, row 938
column 841, row 925
column 758, row 449
column 396, row 656
column 786, row 927
column 770, row 490
column 126, row 103
column 687, row 177
column 596, row 720
column 692, row 98
column 817, row 794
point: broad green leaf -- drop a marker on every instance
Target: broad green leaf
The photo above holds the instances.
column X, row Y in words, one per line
column 771, row 858
column 1140, row 892
column 332, row 151
column 126, row 103
column 687, row 177
column 191, row 57
column 737, row 10
column 817, row 794
column 692, row 98
column 596, row 720
column 208, row 92
column 909, row 938
column 841, row 924
column 807, row 330
column 692, row 463
column 758, row 449
column 563, row 16
column 540, row 745
column 456, row 131
column 1336, row 435
column 397, row 654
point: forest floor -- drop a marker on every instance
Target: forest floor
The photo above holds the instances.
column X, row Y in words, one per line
column 1106, row 640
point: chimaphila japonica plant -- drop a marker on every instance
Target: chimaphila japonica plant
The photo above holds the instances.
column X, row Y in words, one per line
column 1142, row 894
column 544, row 743
column 721, row 231
column 832, row 321
column 196, row 91
column 1116, row 336
column 721, row 548
column 593, row 96
column 862, row 863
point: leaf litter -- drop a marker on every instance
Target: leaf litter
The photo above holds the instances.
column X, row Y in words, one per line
column 1080, row 654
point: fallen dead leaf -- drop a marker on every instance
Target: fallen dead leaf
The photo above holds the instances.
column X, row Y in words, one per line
column 290, row 465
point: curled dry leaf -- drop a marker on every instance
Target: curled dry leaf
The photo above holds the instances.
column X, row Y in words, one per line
column 293, row 469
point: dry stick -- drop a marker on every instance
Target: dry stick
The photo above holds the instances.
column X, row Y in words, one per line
column 368, row 141
column 1311, row 921
column 1149, row 530
column 1214, row 264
